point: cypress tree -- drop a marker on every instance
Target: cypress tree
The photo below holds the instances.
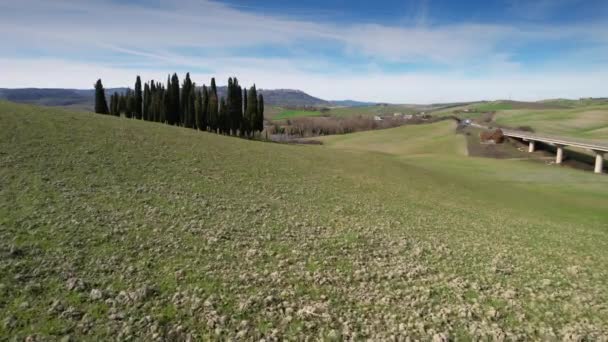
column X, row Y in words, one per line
column 244, row 121
column 166, row 108
column 205, row 109
column 260, row 114
column 111, row 104
column 192, row 106
column 252, row 108
column 155, row 103
column 238, row 106
column 167, row 100
column 147, row 102
column 101, row 106
column 223, row 116
column 198, row 109
column 185, row 108
column 161, row 103
column 174, row 115
column 244, row 100
column 115, row 104
column 152, row 101
column 229, row 103
column 212, row 111
column 137, row 106
column 131, row 105
column 235, row 105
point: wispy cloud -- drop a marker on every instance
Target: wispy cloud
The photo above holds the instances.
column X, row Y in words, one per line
column 105, row 38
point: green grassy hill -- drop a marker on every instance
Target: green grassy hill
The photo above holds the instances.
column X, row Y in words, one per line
column 116, row 228
column 585, row 122
column 281, row 113
column 582, row 119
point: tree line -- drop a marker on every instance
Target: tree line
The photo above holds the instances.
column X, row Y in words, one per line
column 241, row 112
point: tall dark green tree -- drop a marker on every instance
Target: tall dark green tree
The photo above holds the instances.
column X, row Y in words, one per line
column 234, row 101
column 244, row 100
column 244, row 121
column 155, row 101
column 173, row 114
column 223, row 118
column 137, row 110
column 115, row 104
column 198, row 109
column 101, row 106
column 187, row 102
column 147, row 102
column 228, row 102
column 260, row 114
column 205, row 109
column 252, row 109
column 166, row 108
column 212, row 110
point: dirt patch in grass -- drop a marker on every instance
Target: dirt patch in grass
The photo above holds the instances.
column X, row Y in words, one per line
column 509, row 149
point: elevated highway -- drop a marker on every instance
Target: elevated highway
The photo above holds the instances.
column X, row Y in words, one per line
column 599, row 149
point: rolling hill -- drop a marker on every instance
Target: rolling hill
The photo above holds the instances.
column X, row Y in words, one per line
column 119, row 228
column 84, row 99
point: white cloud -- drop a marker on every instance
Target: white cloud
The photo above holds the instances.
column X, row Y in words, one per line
column 91, row 39
column 417, row 87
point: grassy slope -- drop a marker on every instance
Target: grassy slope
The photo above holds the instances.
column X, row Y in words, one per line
column 239, row 237
column 585, row 122
column 403, row 141
column 584, row 119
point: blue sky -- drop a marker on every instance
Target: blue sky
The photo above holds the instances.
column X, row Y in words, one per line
column 392, row 51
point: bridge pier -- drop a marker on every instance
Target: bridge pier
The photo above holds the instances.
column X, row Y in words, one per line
column 560, row 154
column 599, row 149
column 599, row 162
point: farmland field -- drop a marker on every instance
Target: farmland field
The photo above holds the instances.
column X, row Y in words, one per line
column 118, row 228
column 345, row 111
column 288, row 114
column 585, row 122
column 584, row 119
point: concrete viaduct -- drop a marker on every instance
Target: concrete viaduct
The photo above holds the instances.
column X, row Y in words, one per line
column 560, row 143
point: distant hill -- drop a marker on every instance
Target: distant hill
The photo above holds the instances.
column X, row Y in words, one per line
column 351, row 103
column 75, row 98
column 291, row 97
column 284, row 97
column 577, row 103
column 84, row 98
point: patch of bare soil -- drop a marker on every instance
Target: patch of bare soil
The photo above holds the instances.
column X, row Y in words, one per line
column 509, row 149
column 492, row 137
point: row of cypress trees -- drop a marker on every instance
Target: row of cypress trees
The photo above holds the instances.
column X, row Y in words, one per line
column 241, row 112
